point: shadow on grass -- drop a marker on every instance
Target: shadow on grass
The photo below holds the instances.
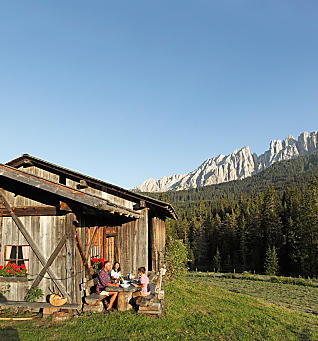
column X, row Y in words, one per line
column 9, row 334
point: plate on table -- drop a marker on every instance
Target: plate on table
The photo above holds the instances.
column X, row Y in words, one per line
column 125, row 285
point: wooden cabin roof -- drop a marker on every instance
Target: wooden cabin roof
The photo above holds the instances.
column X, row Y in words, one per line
column 73, row 195
column 27, row 160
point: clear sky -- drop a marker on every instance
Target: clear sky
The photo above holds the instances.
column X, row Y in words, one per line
column 127, row 90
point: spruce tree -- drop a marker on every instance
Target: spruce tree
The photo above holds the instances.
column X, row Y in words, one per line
column 271, row 261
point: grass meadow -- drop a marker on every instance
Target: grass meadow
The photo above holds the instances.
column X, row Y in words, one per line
column 301, row 298
column 195, row 309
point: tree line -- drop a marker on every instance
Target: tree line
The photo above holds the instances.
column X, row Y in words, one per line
column 235, row 234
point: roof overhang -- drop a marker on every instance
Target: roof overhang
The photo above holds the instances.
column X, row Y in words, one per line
column 74, row 195
column 166, row 209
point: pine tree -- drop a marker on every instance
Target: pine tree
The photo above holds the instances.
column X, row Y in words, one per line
column 271, row 261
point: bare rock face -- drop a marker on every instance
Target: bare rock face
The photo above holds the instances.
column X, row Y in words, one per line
column 238, row 165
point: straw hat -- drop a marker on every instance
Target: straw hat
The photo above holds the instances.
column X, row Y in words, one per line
column 57, row 300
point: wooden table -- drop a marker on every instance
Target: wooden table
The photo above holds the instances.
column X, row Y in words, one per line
column 124, row 296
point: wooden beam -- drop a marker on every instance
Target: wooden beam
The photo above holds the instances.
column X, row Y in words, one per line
column 26, row 211
column 33, row 245
column 50, row 260
column 82, row 184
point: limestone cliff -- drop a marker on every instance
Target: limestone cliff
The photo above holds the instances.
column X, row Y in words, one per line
column 238, row 165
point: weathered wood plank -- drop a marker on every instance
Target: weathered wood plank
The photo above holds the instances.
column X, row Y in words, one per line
column 13, row 279
column 29, row 211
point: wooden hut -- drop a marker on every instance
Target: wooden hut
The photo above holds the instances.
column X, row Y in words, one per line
column 55, row 221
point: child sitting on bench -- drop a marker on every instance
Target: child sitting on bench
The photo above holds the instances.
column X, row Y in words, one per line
column 144, row 283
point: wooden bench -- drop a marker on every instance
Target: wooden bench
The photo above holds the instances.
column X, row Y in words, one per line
column 48, row 309
column 23, row 304
column 152, row 304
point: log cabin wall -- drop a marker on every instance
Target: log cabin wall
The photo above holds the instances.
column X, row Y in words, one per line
column 46, row 232
column 102, row 194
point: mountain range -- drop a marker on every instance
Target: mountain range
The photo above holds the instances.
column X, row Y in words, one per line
column 238, row 165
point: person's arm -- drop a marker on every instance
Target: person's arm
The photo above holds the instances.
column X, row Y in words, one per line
column 142, row 284
column 110, row 284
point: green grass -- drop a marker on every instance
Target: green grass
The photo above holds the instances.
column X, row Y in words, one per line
column 193, row 311
column 302, row 298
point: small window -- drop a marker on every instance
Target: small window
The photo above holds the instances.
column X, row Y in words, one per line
column 94, row 251
column 18, row 254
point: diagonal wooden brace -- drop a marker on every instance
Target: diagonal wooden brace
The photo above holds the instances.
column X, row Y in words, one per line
column 82, row 255
column 33, row 245
column 50, row 260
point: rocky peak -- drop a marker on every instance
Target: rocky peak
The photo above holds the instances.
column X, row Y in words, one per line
column 235, row 166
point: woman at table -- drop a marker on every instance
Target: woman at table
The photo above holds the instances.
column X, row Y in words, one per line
column 115, row 273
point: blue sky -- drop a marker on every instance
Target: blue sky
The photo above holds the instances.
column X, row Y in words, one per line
column 127, row 90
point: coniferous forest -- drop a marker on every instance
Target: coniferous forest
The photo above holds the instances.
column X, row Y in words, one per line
column 233, row 226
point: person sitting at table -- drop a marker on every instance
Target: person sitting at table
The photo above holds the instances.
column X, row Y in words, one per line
column 103, row 282
column 144, row 283
column 115, row 273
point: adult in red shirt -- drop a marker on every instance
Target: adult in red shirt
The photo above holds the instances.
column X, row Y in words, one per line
column 105, row 281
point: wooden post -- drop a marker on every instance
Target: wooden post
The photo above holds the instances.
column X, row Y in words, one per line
column 69, row 264
column 33, row 245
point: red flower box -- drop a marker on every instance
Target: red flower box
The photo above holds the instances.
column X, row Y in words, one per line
column 13, row 270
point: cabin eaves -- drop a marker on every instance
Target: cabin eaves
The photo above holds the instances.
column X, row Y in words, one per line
column 27, row 160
